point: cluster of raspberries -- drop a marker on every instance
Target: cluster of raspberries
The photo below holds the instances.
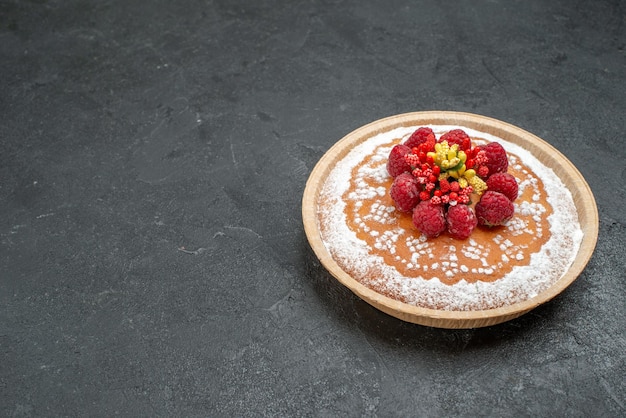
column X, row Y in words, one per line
column 436, row 178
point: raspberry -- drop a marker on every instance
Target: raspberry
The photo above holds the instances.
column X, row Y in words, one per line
column 429, row 219
column 412, row 160
column 504, row 183
column 422, row 135
column 461, row 221
column 463, row 199
column 405, row 192
column 444, row 186
column 494, row 209
column 397, row 164
column 497, row 161
column 459, row 137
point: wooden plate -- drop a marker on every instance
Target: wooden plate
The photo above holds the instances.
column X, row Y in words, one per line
column 548, row 155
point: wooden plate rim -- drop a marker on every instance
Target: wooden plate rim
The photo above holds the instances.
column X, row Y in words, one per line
column 550, row 156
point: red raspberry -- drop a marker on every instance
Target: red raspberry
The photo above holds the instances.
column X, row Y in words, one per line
column 494, row 209
column 405, row 192
column 412, row 160
column 444, row 186
column 397, row 164
column 423, row 135
column 504, row 183
column 459, row 137
column 461, row 221
column 429, row 219
column 464, row 199
column 497, row 161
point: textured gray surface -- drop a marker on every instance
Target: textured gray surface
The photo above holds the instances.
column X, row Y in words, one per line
column 153, row 157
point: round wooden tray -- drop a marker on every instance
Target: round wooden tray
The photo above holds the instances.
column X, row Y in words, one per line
column 548, row 155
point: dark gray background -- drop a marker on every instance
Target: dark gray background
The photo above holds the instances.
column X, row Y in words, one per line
column 130, row 129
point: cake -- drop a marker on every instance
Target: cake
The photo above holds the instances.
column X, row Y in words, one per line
column 378, row 245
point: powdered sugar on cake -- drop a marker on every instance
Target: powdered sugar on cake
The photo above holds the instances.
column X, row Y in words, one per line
column 445, row 281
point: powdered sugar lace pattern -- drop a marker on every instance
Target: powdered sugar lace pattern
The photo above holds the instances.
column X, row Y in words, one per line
column 425, row 288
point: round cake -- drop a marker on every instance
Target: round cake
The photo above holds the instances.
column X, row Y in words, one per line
column 378, row 245
column 372, row 242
